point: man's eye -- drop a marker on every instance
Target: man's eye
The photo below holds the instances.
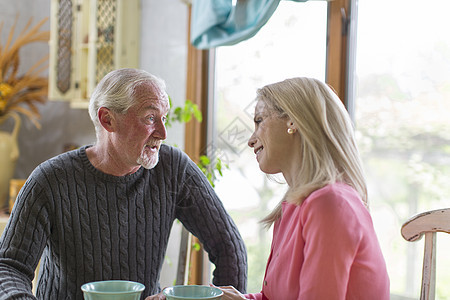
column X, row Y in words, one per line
column 164, row 119
column 151, row 119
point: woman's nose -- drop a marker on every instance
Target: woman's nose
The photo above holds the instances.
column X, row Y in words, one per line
column 252, row 141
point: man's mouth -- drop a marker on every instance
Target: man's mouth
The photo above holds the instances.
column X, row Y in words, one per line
column 152, row 147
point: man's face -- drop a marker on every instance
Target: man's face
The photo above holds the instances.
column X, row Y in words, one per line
column 141, row 130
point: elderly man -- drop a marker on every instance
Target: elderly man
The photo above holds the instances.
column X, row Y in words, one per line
column 105, row 211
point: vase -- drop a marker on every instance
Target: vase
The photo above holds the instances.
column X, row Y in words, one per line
column 9, row 153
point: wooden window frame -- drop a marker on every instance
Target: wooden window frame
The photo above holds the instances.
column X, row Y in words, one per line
column 338, row 61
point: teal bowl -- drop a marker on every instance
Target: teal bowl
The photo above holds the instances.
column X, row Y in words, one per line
column 113, row 290
column 204, row 292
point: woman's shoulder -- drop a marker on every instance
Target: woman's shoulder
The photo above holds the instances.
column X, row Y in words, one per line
column 337, row 189
column 335, row 192
column 336, row 206
column 335, row 199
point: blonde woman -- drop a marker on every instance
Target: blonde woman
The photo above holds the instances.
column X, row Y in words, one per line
column 324, row 244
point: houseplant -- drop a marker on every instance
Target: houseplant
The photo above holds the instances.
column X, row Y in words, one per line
column 19, row 94
column 210, row 166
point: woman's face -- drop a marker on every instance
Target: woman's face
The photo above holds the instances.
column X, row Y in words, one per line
column 272, row 144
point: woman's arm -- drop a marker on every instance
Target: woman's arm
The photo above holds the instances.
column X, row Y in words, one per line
column 332, row 233
column 230, row 293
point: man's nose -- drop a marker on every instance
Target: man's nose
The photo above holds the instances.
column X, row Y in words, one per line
column 160, row 131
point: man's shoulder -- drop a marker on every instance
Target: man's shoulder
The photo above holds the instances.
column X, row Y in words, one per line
column 174, row 158
column 171, row 152
column 58, row 163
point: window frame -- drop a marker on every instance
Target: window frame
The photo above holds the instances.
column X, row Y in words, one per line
column 340, row 62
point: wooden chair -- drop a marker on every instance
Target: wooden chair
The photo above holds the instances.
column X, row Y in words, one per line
column 427, row 223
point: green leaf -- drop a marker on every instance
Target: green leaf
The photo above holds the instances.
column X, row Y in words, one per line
column 184, row 114
column 204, row 160
column 198, row 114
column 196, row 246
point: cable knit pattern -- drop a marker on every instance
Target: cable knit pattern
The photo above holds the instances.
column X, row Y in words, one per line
column 91, row 226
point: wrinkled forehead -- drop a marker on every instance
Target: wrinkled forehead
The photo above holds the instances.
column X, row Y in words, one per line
column 150, row 91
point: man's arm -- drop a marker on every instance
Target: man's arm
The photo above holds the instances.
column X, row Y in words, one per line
column 203, row 214
column 21, row 245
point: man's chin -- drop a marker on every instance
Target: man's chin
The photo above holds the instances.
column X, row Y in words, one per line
column 148, row 162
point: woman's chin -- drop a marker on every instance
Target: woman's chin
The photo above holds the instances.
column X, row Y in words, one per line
column 268, row 170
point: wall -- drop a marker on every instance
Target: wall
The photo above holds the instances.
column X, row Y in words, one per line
column 60, row 124
column 163, row 53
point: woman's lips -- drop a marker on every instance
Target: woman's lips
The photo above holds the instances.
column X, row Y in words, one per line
column 258, row 151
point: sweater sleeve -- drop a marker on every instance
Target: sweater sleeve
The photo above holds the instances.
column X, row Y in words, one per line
column 332, row 236
column 203, row 214
column 22, row 243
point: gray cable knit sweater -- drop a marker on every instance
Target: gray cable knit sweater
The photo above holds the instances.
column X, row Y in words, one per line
column 91, row 226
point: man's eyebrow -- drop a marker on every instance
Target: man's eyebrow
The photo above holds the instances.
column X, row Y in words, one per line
column 151, row 107
column 154, row 107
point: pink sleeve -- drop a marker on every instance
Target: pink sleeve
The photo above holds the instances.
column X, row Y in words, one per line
column 257, row 296
column 332, row 235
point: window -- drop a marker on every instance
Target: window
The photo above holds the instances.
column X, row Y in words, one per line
column 401, row 110
column 293, row 43
column 402, row 119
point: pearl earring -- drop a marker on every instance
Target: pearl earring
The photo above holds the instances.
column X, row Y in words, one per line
column 290, row 131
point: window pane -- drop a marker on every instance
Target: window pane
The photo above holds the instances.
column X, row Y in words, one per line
column 292, row 44
column 402, row 118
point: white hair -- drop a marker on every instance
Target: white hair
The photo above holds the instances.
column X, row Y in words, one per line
column 117, row 91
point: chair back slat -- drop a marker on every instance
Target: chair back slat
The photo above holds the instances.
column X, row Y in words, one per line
column 429, row 267
column 431, row 221
column 427, row 223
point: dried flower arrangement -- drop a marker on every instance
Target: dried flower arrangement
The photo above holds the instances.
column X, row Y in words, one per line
column 21, row 93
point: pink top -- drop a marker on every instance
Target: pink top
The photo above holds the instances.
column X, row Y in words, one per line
column 325, row 248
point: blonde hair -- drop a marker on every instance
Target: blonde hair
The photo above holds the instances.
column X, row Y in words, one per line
column 328, row 147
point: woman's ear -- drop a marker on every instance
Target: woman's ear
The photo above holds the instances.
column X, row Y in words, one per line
column 105, row 118
column 290, row 125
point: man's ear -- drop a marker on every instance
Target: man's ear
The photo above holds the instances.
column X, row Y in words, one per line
column 106, row 118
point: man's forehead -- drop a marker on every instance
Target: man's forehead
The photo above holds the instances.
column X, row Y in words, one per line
column 151, row 91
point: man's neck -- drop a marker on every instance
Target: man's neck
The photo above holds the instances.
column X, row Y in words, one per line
column 108, row 161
